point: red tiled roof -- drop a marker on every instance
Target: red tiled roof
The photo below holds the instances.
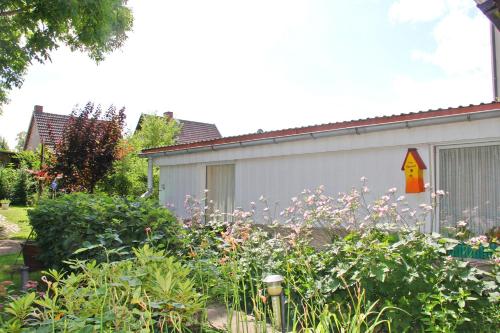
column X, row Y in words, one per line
column 330, row 126
column 50, row 126
column 192, row 131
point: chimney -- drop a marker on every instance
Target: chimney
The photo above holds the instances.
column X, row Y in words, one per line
column 169, row 114
column 38, row 108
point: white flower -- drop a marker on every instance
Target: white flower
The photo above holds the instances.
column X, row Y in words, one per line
column 440, row 192
column 393, row 190
column 427, row 185
column 401, row 198
column 363, row 179
column 461, row 224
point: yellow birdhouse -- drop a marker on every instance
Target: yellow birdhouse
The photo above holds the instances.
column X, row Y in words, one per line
column 414, row 167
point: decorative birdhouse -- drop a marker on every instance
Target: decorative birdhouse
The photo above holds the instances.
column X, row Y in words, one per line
column 414, row 167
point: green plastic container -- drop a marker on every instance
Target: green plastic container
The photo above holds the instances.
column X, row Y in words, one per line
column 466, row 251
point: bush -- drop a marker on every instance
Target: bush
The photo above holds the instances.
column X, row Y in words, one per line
column 24, row 188
column 149, row 293
column 73, row 221
column 8, row 179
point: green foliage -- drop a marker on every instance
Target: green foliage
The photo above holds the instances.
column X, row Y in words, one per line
column 32, row 159
column 18, row 185
column 155, row 131
column 20, row 141
column 4, row 145
column 148, row 293
column 31, row 30
column 8, row 178
column 73, row 221
column 405, row 277
column 129, row 176
column 24, row 188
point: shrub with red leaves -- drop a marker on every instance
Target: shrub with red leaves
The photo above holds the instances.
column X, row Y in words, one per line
column 88, row 147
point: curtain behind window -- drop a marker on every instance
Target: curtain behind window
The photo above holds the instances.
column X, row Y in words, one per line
column 471, row 175
column 220, row 185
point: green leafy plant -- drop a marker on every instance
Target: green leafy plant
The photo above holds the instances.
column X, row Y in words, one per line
column 150, row 292
column 73, row 221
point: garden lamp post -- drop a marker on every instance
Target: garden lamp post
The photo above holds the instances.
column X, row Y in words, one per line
column 275, row 290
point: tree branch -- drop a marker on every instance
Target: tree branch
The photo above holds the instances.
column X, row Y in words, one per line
column 11, row 12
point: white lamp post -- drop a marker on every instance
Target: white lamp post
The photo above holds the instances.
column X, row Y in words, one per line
column 275, row 290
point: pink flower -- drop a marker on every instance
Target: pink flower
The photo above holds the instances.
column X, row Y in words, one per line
column 461, row 224
column 147, row 230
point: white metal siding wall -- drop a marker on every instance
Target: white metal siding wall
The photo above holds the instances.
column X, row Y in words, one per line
column 178, row 181
column 281, row 178
column 280, row 171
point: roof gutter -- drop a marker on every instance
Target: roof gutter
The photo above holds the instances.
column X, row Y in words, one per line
column 355, row 130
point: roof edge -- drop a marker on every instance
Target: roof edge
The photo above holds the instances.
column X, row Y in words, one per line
column 350, row 127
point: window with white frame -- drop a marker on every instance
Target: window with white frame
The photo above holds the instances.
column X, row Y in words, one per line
column 220, row 186
column 471, row 178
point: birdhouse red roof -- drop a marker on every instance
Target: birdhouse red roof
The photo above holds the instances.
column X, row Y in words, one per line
column 416, row 156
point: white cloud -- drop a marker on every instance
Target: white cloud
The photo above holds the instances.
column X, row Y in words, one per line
column 461, row 54
column 462, row 41
column 416, row 10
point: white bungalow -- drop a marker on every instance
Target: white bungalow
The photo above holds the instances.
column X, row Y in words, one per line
column 456, row 150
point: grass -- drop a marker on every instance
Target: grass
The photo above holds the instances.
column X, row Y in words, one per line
column 10, row 263
column 18, row 215
column 8, row 267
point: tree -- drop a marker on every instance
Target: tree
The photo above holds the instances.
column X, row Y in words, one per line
column 129, row 176
column 31, row 30
column 88, row 147
column 21, row 140
column 4, row 145
column 155, row 131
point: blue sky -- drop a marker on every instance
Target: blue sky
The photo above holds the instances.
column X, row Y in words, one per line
column 273, row 64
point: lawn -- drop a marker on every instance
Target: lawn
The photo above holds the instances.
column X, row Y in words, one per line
column 19, row 216
column 9, row 263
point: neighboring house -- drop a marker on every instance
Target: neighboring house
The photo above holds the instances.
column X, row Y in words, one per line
column 191, row 131
column 45, row 128
column 456, row 150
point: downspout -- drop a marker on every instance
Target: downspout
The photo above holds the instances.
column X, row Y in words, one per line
column 149, row 192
